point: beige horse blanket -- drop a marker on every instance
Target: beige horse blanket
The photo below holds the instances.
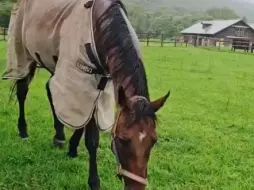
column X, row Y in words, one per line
column 60, row 28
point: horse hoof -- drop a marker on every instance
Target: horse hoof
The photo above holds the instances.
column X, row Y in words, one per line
column 23, row 136
column 72, row 154
column 95, row 187
column 24, row 139
column 58, row 143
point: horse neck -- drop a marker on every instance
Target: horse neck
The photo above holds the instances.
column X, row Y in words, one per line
column 118, row 47
column 134, row 84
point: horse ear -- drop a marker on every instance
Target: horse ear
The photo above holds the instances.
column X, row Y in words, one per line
column 122, row 99
column 157, row 104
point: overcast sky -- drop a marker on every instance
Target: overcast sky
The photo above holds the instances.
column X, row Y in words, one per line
column 251, row 1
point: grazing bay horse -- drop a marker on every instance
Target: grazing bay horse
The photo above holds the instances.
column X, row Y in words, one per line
column 93, row 55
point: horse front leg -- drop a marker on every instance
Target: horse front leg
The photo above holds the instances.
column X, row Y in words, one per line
column 74, row 143
column 92, row 144
column 59, row 138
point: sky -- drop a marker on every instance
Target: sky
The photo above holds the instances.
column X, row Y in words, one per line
column 250, row 1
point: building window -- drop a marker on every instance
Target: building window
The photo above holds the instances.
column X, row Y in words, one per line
column 239, row 32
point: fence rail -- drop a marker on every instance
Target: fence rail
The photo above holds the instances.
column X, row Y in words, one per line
column 161, row 39
column 147, row 38
column 229, row 43
column 155, row 39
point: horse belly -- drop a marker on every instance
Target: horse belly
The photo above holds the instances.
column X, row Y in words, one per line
column 43, row 51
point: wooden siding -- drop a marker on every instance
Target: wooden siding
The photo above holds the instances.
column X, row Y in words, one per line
column 231, row 31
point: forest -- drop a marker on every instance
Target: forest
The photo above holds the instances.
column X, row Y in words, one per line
column 161, row 16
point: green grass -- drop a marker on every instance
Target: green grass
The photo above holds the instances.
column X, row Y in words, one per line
column 206, row 135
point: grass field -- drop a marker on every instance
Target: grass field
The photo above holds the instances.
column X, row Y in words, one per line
column 206, row 134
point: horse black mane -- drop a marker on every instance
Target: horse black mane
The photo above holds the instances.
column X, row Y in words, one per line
column 115, row 37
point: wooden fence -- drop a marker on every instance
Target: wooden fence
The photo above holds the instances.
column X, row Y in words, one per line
column 162, row 40
column 3, row 34
column 148, row 39
column 230, row 43
column 153, row 39
column 222, row 44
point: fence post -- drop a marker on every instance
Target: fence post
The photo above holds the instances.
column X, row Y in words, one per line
column 162, row 39
column 197, row 41
column 175, row 42
column 147, row 39
column 219, row 44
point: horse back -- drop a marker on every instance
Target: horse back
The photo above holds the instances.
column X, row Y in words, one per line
column 39, row 25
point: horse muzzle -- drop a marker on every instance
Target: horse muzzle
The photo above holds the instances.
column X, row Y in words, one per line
column 124, row 173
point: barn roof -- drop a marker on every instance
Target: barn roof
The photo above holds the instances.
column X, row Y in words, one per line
column 251, row 25
column 212, row 26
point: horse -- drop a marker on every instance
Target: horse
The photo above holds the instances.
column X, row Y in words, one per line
column 87, row 46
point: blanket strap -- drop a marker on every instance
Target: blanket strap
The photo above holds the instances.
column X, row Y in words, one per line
column 92, row 58
column 41, row 63
column 104, row 79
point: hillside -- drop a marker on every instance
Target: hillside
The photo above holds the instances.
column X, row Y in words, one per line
column 241, row 7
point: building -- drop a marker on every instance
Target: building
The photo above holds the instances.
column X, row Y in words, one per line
column 220, row 32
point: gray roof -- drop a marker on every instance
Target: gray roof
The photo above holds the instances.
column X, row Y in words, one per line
column 215, row 26
column 251, row 25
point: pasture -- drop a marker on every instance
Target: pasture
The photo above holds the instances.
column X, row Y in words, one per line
column 206, row 134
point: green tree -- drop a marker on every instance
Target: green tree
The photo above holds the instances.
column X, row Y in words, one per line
column 222, row 13
column 145, row 18
column 5, row 11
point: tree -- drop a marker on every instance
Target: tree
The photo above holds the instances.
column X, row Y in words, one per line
column 5, row 11
column 222, row 13
column 144, row 19
column 245, row 19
